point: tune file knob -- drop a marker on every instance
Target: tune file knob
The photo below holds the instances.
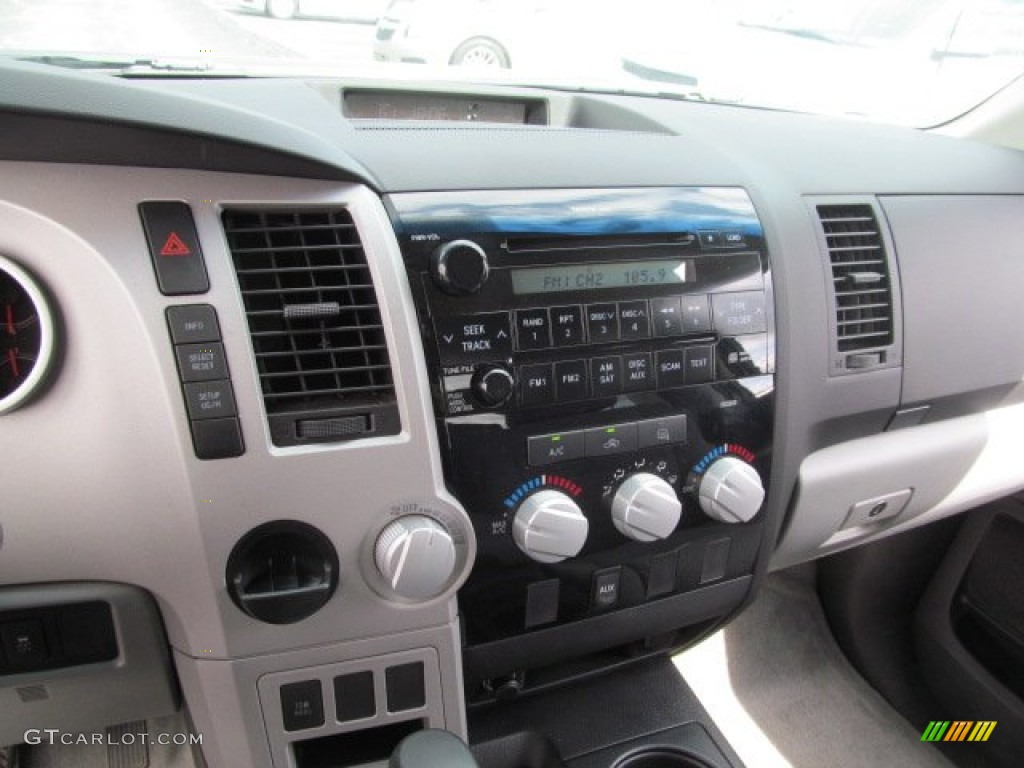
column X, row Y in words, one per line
column 646, row 508
column 731, row 491
column 549, row 527
column 493, row 385
column 416, row 556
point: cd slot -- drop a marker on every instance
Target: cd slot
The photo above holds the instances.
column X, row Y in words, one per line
column 543, row 243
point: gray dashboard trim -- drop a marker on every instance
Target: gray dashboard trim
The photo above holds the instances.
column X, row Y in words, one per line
column 138, row 684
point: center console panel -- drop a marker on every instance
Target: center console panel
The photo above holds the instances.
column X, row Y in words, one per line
column 602, row 364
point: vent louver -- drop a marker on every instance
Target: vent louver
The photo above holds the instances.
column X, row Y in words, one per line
column 315, row 325
column 860, row 275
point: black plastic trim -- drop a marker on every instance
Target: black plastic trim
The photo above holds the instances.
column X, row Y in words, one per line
column 548, row 646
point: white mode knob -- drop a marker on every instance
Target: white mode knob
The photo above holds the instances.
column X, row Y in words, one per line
column 731, row 491
column 549, row 527
column 645, row 508
column 416, row 556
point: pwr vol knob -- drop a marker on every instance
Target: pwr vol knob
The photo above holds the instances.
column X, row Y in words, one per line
column 459, row 267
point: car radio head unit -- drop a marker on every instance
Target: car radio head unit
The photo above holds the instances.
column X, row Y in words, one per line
column 603, row 373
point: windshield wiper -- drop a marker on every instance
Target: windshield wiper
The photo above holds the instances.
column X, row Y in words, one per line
column 130, row 66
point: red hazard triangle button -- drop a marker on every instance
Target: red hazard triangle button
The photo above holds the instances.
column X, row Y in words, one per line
column 175, row 246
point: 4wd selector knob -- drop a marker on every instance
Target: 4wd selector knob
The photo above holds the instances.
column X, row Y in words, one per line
column 549, row 527
column 416, row 556
column 731, row 491
column 459, row 267
column 645, row 508
column 492, row 385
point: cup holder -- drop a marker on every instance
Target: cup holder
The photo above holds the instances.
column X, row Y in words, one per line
column 661, row 758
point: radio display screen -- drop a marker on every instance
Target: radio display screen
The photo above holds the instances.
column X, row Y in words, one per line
column 609, row 274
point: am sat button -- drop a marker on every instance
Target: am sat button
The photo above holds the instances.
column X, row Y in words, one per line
column 606, row 376
column 553, row 448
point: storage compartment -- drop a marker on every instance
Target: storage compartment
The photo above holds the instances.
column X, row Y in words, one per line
column 343, row 750
column 988, row 613
column 685, row 746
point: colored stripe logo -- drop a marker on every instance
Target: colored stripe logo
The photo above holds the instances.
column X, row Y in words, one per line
column 958, row 730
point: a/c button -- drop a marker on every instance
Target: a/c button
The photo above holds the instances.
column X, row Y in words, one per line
column 550, row 449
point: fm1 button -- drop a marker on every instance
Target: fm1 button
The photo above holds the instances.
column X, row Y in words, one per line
column 536, row 386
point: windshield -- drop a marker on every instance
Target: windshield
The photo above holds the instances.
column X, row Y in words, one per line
column 916, row 62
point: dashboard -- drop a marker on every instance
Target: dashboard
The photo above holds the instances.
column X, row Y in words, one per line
column 378, row 413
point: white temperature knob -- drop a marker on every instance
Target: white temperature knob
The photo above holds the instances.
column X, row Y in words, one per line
column 731, row 491
column 645, row 508
column 549, row 527
column 416, row 556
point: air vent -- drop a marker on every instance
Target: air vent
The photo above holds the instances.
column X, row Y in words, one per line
column 316, row 329
column 862, row 285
